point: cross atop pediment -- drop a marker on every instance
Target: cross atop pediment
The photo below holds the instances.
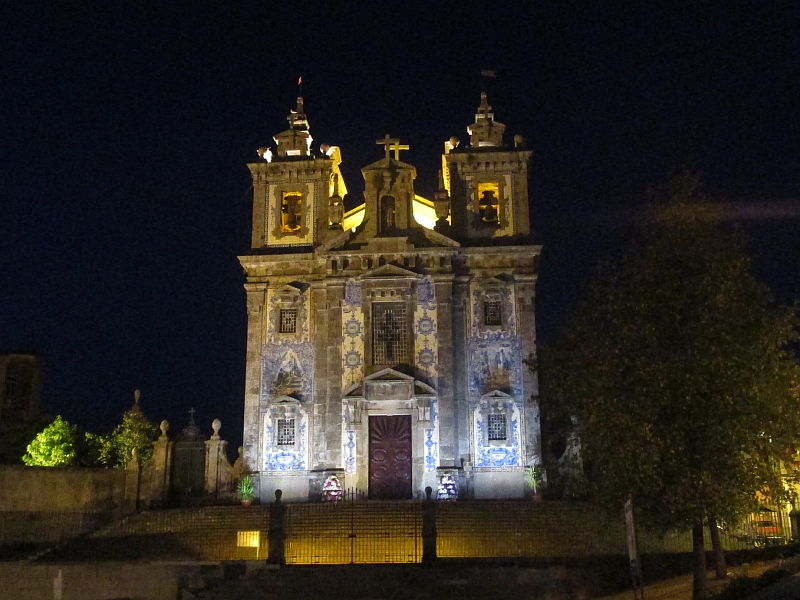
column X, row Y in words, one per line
column 390, row 143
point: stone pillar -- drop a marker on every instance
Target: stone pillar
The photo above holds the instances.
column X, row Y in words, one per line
column 132, row 485
column 159, row 469
column 428, row 529
column 277, row 534
column 218, row 469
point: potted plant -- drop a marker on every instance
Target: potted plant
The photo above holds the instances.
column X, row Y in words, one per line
column 246, row 490
column 534, row 476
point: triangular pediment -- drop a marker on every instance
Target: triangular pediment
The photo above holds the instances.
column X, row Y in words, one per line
column 404, row 385
column 354, row 391
column 388, row 374
column 492, row 282
column 496, row 395
column 423, row 389
column 388, row 271
column 288, row 289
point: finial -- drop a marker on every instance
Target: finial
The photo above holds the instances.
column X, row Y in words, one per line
column 164, row 427
column 136, row 395
column 484, row 109
column 216, row 425
column 265, row 153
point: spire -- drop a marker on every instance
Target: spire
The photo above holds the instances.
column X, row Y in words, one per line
column 485, row 131
column 297, row 117
column 295, row 141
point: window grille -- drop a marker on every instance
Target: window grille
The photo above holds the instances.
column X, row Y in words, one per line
column 389, row 333
column 285, row 432
column 492, row 312
column 288, row 320
column 497, row 427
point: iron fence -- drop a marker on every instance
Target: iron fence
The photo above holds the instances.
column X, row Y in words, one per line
column 354, row 530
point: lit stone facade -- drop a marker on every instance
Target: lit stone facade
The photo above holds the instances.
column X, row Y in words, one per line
column 380, row 350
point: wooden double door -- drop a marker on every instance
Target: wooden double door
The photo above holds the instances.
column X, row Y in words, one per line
column 390, row 457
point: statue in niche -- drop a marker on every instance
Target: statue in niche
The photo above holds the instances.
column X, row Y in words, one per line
column 488, row 206
column 291, row 212
column 387, row 213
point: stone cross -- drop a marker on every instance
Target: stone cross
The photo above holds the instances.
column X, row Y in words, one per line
column 387, row 142
column 397, row 147
column 191, row 414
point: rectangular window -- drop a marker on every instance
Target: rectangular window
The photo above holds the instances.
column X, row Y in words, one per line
column 492, row 312
column 389, row 333
column 285, row 435
column 288, row 320
column 497, row 427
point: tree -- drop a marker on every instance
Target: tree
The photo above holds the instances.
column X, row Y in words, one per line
column 675, row 365
column 55, row 446
column 135, row 432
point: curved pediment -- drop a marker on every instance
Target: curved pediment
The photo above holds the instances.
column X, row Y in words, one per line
column 284, row 400
column 496, row 395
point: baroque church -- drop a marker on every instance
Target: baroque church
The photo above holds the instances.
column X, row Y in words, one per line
column 386, row 344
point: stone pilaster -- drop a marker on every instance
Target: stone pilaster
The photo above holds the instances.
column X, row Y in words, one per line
column 448, row 441
column 526, row 328
column 461, row 429
column 256, row 297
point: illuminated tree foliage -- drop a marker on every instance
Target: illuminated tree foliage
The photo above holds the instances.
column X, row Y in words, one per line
column 55, row 446
column 135, row 432
column 676, row 369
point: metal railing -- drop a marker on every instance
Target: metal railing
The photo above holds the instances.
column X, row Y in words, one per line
column 354, row 530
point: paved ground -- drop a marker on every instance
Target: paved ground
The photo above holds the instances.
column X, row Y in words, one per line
column 680, row 588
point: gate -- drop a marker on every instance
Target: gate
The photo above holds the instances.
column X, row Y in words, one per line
column 353, row 531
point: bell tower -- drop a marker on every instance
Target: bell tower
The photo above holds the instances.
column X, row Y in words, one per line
column 296, row 195
column 487, row 181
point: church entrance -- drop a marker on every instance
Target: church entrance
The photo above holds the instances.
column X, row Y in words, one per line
column 390, row 457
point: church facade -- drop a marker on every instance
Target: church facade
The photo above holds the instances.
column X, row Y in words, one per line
column 386, row 344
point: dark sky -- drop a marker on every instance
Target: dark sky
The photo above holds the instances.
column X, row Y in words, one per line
column 125, row 130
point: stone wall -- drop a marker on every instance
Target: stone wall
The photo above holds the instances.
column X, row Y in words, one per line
column 100, row 581
column 46, row 489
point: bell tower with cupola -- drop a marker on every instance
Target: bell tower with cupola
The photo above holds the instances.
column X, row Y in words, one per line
column 296, row 195
column 487, row 181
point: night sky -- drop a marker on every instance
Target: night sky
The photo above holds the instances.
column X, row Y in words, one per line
column 125, row 130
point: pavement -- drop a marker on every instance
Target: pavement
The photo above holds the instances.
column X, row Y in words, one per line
column 680, row 588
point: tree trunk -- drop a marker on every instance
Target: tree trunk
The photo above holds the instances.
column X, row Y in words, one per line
column 699, row 591
column 719, row 553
